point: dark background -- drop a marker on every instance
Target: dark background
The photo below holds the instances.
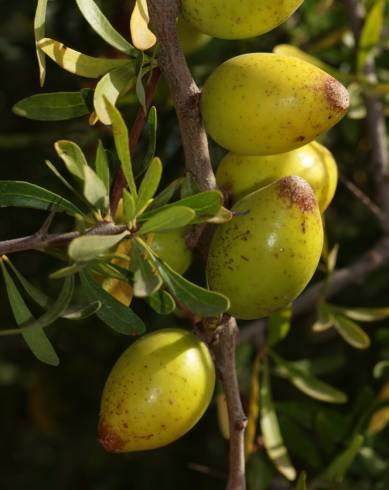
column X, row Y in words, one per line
column 48, row 416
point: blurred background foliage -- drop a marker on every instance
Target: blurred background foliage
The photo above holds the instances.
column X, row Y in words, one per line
column 48, row 416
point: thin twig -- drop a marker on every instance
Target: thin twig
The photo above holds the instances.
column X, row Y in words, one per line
column 224, row 353
column 135, row 133
column 40, row 240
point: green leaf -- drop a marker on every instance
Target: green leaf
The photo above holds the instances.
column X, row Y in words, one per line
column 337, row 469
column 88, row 247
column 78, row 313
column 302, row 481
column 55, row 106
column 189, row 186
column 381, row 369
column 323, row 321
column 101, row 25
column 308, row 383
column 169, row 219
column 65, row 182
column 167, row 194
column 78, row 63
column 95, row 190
column 350, row 331
column 26, row 195
column 271, row 433
column 72, row 156
column 36, row 339
column 152, row 126
column 38, row 296
column 128, row 206
column 205, row 204
column 115, row 83
column 279, row 326
column 371, row 33
column 121, row 137
column 69, row 270
column 147, row 280
column 139, row 88
column 363, row 314
column 39, row 31
column 149, row 185
column 102, row 165
column 198, row 300
column 120, row 318
column 57, row 310
column 161, row 302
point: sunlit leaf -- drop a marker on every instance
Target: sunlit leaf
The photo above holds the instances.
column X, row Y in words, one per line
column 147, row 280
column 102, row 165
column 78, row 63
column 72, row 156
column 55, row 106
column 308, row 383
column 129, row 207
column 167, row 194
column 381, row 369
column 149, row 184
column 88, row 247
column 141, row 35
column 95, row 191
column 271, row 433
column 26, row 195
column 120, row 318
column 350, row 331
column 279, row 326
column 363, row 314
column 101, row 25
column 78, row 313
column 115, row 83
column 122, row 291
column 39, row 31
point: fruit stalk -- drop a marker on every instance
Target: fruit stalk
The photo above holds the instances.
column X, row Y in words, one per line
column 184, row 91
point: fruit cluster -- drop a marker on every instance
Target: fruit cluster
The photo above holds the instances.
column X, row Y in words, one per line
column 266, row 110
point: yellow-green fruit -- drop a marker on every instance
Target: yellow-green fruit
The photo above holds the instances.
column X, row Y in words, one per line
column 191, row 39
column 233, row 19
column 267, row 254
column 171, row 247
column 242, row 174
column 156, row 392
column 264, row 103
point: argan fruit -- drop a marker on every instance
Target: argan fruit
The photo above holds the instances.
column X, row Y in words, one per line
column 264, row 103
column 267, row 254
column 242, row 174
column 171, row 247
column 156, row 392
column 232, row 19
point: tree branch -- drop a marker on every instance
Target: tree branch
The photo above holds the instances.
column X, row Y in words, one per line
column 185, row 92
column 224, row 353
column 41, row 240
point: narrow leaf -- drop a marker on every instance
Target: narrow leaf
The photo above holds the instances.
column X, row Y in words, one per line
column 371, row 33
column 167, row 194
column 72, row 156
column 95, row 191
column 120, row 318
column 36, row 339
column 149, row 184
column 112, row 85
column 302, row 482
column 55, row 106
column 338, row 468
column 380, row 369
column 78, row 313
column 279, row 326
column 350, row 331
column 120, row 133
column 88, row 247
column 78, row 63
column 161, row 302
column 102, row 165
column 101, row 25
column 272, row 437
column 308, row 383
column 198, row 300
column 152, row 125
column 141, row 35
column 147, row 280
column 139, row 88
column 39, row 31
column 129, row 208
column 26, row 195
column 364, row 314
column 169, row 219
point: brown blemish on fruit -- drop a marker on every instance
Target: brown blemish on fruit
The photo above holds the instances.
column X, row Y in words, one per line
column 110, row 441
column 297, row 191
column 337, row 95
